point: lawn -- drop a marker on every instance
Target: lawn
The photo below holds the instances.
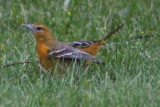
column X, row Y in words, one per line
column 131, row 77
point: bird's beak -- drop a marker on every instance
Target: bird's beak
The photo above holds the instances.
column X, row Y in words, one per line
column 29, row 26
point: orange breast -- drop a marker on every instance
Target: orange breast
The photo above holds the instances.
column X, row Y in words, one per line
column 48, row 64
column 42, row 52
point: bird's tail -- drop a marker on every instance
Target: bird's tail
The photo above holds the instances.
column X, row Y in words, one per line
column 112, row 32
column 95, row 46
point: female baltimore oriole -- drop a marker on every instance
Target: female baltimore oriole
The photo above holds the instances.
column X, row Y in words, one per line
column 50, row 51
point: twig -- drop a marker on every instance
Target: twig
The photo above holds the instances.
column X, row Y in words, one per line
column 131, row 40
column 16, row 63
column 143, row 37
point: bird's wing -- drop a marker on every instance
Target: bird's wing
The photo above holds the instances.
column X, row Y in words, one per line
column 71, row 53
column 82, row 44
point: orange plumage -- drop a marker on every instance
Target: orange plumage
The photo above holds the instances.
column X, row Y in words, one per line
column 50, row 51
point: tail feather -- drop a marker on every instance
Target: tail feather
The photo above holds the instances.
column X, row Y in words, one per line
column 112, row 32
column 95, row 46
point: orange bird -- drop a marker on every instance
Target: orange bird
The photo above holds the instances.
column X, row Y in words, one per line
column 52, row 52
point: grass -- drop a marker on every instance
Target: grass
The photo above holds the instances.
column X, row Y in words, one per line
column 134, row 65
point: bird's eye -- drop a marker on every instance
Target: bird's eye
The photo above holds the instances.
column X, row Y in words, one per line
column 39, row 28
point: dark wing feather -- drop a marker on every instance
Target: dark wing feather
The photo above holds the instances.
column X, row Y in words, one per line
column 83, row 44
column 71, row 53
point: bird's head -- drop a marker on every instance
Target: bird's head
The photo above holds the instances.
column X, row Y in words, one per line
column 40, row 31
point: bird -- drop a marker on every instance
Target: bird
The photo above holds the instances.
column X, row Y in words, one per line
column 52, row 53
